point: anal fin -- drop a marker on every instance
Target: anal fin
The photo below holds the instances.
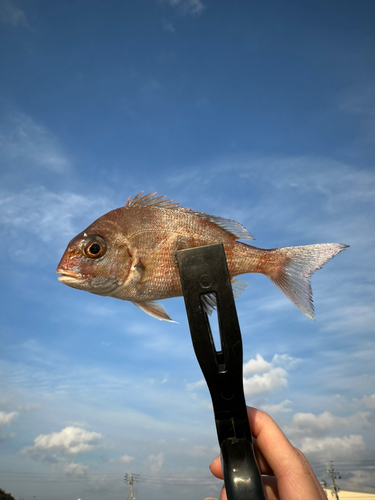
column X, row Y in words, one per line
column 209, row 301
column 238, row 287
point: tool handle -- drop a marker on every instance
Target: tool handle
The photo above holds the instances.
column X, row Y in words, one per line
column 203, row 271
column 241, row 474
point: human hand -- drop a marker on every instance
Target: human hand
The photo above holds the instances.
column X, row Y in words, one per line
column 286, row 474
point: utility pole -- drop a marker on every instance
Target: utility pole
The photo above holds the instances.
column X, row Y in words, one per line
column 130, row 479
column 334, row 475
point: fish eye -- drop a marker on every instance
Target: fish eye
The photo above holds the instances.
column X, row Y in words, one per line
column 95, row 247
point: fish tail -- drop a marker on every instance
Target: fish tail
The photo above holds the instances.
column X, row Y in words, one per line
column 294, row 267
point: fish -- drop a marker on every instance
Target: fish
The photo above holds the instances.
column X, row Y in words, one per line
column 130, row 254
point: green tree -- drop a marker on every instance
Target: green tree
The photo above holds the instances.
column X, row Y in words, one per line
column 5, row 496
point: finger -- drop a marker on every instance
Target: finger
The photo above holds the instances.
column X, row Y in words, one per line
column 276, row 455
column 263, row 466
column 223, row 494
column 291, row 469
column 269, row 483
column 323, row 496
column 261, row 461
column 269, row 487
column 216, row 469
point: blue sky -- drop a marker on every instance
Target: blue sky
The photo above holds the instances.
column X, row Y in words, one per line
column 261, row 112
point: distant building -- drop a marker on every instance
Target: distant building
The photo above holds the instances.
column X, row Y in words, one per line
column 350, row 495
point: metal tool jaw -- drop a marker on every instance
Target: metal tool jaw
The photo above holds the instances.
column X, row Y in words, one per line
column 204, row 272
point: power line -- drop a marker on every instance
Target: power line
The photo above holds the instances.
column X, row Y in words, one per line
column 107, row 482
column 57, row 477
column 130, row 479
column 334, row 475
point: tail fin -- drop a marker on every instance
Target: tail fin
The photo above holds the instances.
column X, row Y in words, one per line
column 299, row 263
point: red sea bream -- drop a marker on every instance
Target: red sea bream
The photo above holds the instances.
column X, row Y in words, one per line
column 130, row 254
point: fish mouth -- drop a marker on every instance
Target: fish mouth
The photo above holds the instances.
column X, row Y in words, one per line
column 69, row 276
column 99, row 286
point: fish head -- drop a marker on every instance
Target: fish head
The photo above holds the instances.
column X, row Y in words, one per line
column 96, row 261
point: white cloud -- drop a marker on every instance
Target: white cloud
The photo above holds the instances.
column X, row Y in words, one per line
column 311, row 425
column 126, row 459
column 47, row 216
column 285, row 361
column 155, row 463
column 277, row 408
column 168, row 26
column 77, row 470
column 69, row 441
column 10, row 14
column 277, row 304
column 7, row 418
column 25, row 143
column 196, row 385
column 369, row 401
column 331, row 447
column 257, row 365
column 351, row 317
column 360, row 100
column 204, row 451
column 37, row 210
column 359, row 478
column 342, row 189
column 266, row 376
column 276, row 377
column 187, row 6
column 316, row 425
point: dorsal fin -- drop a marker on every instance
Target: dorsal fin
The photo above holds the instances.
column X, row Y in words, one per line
column 150, row 200
column 233, row 227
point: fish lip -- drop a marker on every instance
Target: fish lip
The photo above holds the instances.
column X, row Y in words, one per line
column 69, row 274
column 79, row 280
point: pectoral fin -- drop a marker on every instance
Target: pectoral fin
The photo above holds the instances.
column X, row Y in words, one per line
column 155, row 310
